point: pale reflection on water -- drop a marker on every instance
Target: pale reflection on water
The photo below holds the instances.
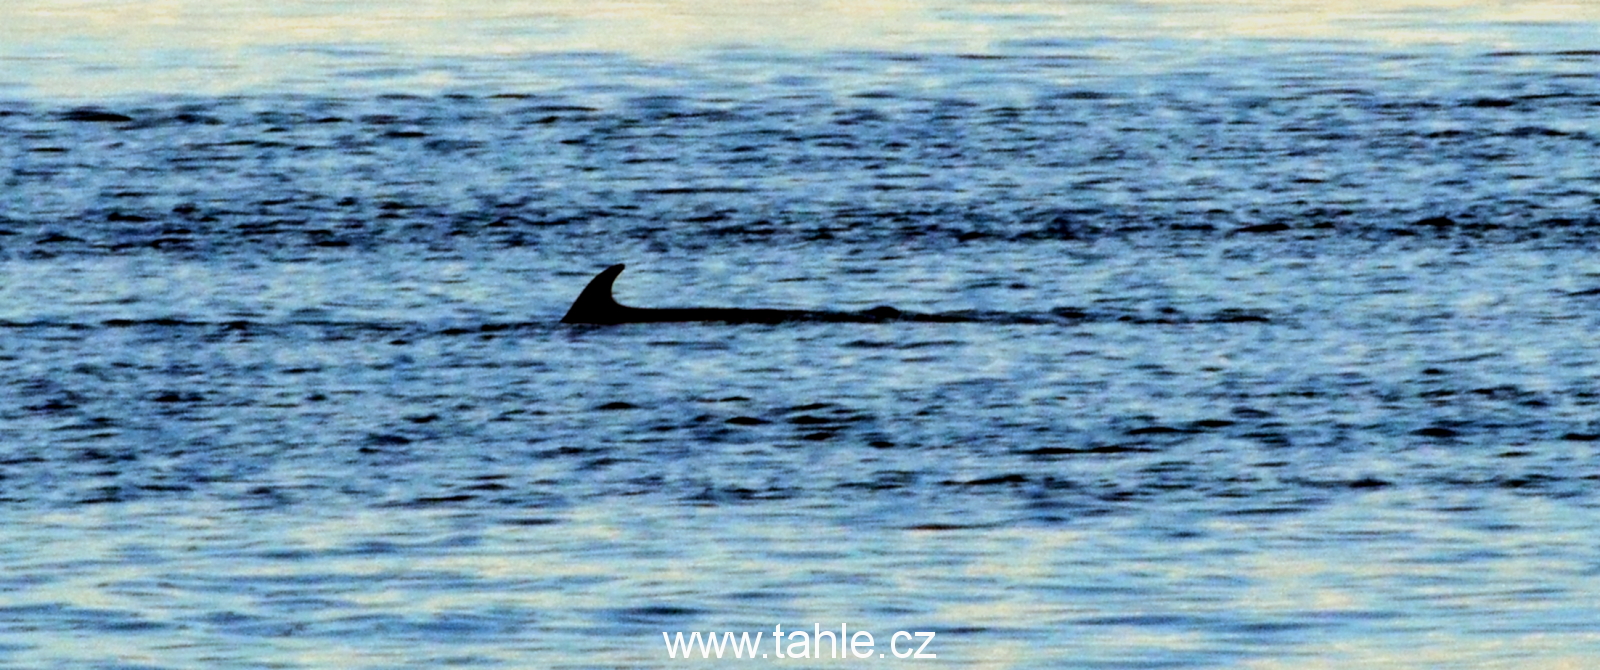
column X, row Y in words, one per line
column 101, row 48
column 402, row 586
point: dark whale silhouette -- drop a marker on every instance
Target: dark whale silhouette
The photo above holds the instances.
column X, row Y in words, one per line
column 595, row 305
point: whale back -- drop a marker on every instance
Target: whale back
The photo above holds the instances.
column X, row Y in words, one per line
column 595, row 304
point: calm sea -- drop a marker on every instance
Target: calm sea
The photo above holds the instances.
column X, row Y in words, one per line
column 1279, row 339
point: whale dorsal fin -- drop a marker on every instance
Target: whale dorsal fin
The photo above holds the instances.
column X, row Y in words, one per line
column 595, row 304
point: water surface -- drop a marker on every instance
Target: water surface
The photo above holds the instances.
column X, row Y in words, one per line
column 1281, row 348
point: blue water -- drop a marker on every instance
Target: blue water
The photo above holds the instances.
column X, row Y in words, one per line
column 1284, row 355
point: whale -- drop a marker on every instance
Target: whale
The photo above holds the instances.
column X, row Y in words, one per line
column 597, row 306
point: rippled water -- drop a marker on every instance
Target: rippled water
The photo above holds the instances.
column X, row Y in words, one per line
column 1279, row 353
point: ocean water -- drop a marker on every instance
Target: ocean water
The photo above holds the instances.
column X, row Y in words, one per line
column 1278, row 341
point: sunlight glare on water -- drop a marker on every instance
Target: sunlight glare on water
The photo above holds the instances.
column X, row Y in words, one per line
column 101, row 48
